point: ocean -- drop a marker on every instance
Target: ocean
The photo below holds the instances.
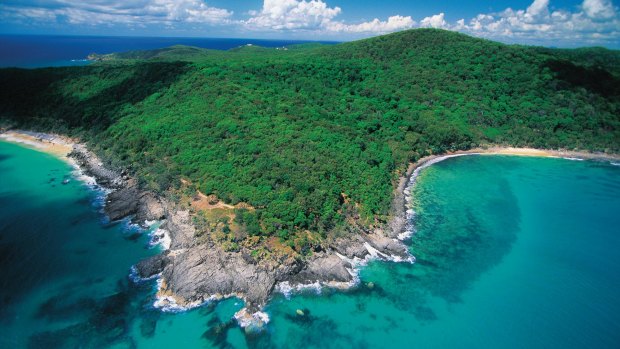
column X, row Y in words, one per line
column 37, row 51
column 512, row 252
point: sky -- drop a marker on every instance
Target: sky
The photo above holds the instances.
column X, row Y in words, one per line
column 561, row 23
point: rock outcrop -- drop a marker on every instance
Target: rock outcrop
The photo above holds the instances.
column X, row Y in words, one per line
column 195, row 271
column 126, row 198
column 326, row 267
column 152, row 266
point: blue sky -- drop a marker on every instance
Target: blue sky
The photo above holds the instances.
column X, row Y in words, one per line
column 565, row 23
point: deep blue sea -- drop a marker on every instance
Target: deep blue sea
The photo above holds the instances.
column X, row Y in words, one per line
column 28, row 51
column 512, row 252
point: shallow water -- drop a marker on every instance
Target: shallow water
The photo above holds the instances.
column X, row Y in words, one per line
column 511, row 252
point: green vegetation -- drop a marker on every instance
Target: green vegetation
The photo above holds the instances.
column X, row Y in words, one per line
column 314, row 137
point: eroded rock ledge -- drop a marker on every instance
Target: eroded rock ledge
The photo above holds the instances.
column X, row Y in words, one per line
column 194, row 271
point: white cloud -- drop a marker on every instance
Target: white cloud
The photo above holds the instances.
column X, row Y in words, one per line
column 592, row 22
column 132, row 12
column 599, row 9
column 538, row 9
column 292, row 15
column 394, row 23
column 597, row 22
column 316, row 15
column 436, row 21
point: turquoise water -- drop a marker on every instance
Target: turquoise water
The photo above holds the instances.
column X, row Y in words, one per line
column 511, row 252
column 64, row 270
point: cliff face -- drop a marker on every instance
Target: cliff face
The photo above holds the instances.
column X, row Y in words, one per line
column 194, row 271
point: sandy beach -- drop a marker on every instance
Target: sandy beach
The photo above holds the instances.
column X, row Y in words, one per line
column 500, row 150
column 59, row 146
column 567, row 154
column 402, row 192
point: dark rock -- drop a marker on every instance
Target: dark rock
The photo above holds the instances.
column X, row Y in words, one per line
column 149, row 208
column 325, row 268
column 387, row 245
column 202, row 271
column 93, row 166
column 152, row 266
column 352, row 246
column 126, row 199
column 122, row 203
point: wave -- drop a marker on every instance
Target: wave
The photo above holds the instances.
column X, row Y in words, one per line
column 135, row 277
column 286, row 289
column 149, row 224
column 169, row 304
column 13, row 139
column 160, row 237
column 80, row 175
column 375, row 254
column 90, row 182
column 254, row 321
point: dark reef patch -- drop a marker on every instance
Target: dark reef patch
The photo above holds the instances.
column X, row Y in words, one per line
column 107, row 321
column 217, row 332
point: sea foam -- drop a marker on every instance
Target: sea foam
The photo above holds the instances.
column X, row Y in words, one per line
column 254, row 321
column 169, row 304
column 160, row 237
column 135, row 277
column 287, row 289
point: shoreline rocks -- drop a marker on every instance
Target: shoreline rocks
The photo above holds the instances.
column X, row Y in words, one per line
column 125, row 198
column 192, row 272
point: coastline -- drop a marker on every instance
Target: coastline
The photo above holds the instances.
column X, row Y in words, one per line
column 403, row 192
column 429, row 160
column 191, row 273
column 56, row 145
column 516, row 151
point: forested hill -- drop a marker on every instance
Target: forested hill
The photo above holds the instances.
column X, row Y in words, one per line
column 314, row 136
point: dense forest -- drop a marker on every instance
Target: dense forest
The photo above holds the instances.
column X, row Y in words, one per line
column 310, row 136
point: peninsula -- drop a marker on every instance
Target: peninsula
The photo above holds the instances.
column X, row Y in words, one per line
column 283, row 168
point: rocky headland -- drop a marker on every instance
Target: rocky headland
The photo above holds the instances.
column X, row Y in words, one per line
column 193, row 271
